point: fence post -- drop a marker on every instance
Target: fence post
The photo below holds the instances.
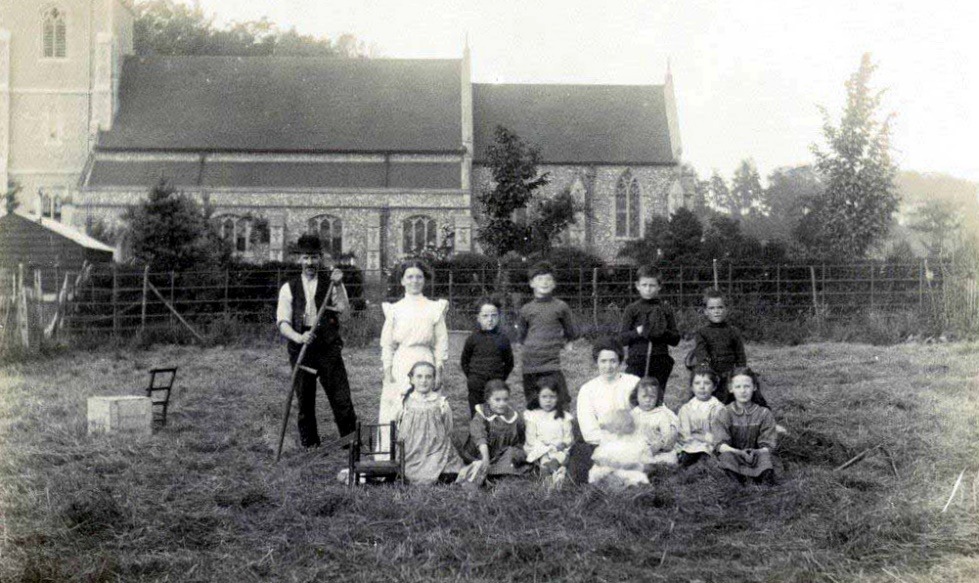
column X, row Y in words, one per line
column 581, row 287
column 815, row 300
column 39, row 306
column 823, row 275
column 146, row 281
column 921, row 283
column 172, row 277
column 714, row 265
column 681, row 287
column 115, row 300
column 730, row 280
column 450, row 288
column 872, row 270
column 594, row 296
column 778, row 285
column 227, row 279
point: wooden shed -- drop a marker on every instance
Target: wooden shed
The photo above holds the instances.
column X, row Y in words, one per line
column 46, row 244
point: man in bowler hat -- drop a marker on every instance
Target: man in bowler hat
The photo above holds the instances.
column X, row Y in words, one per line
column 299, row 301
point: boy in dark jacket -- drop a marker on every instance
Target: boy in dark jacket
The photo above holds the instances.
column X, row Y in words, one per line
column 719, row 345
column 487, row 354
column 648, row 330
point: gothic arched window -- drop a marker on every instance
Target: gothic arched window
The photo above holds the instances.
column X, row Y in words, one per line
column 54, row 33
column 330, row 230
column 628, row 197
column 419, row 234
column 237, row 232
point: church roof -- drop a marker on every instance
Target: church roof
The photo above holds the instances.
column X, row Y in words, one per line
column 577, row 124
column 287, row 104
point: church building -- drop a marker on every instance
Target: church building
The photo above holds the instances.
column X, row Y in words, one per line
column 381, row 157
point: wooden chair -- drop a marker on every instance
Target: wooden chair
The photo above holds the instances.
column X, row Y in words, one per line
column 369, row 463
column 159, row 394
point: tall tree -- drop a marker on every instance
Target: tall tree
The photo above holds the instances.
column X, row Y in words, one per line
column 171, row 231
column 514, row 167
column 854, row 213
column 552, row 217
column 940, row 224
column 718, row 192
column 746, row 196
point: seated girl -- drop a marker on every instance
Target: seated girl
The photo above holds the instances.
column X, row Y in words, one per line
column 549, row 431
column 696, row 415
column 657, row 426
column 425, row 424
column 745, row 432
column 607, row 392
column 496, row 438
column 622, row 457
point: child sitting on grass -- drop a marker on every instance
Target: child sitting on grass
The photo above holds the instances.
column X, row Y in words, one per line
column 550, row 434
column 424, row 425
column 656, row 425
column 621, row 459
column 496, row 438
column 746, row 432
column 696, row 416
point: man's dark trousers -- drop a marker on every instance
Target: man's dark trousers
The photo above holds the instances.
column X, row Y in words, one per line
column 332, row 374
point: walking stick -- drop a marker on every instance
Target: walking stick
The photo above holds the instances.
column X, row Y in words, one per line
column 295, row 372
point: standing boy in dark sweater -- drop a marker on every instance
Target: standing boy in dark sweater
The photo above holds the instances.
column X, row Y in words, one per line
column 545, row 325
column 718, row 344
column 487, row 354
column 648, row 330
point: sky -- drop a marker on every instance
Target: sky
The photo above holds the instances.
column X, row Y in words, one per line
column 748, row 75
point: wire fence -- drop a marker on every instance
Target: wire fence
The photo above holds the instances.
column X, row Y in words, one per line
column 123, row 300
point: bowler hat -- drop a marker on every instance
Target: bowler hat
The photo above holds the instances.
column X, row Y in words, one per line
column 308, row 244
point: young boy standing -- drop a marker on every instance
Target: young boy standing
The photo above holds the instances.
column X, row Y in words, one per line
column 487, row 354
column 718, row 344
column 545, row 325
column 648, row 330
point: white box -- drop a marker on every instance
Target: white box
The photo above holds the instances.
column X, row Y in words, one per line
column 125, row 414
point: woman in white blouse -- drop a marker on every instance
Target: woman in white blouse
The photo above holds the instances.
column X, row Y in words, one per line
column 414, row 331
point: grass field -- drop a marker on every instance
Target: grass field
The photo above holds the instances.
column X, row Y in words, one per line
column 202, row 501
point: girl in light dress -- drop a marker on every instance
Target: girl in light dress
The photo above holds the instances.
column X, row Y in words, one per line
column 658, row 426
column 550, row 433
column 414, row 331
column 424, row 425
column 696, row 415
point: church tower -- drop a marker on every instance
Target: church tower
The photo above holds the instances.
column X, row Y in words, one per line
column 60, row 62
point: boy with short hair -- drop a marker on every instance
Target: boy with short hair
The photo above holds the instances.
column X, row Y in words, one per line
column 487, row 354
column 544, row 325
column 648, row 330
column 718, row 344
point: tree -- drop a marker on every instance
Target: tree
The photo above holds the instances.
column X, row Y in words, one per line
column 171, row 231
column 684, row 242
column 514, row 167
column 746, row 196
column 940, row 224
column 551, row 218
column 854, row 213
column 168, row 27
column 10, row 202
column 718, row 192
column 653, row 244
